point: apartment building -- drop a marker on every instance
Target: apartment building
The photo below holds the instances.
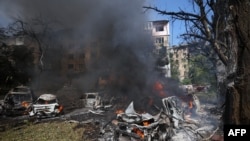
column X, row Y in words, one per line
column 160, row 33
column 179, row 57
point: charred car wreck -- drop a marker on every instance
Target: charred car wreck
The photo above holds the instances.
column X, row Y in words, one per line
column 145, row 126
column 170, row 124
column 46, row 106
column 17, row 101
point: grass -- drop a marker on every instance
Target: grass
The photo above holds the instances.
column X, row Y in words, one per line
column 49, row 131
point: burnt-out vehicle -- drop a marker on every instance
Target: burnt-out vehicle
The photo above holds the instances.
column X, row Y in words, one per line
column 91, row 99
column 45, row 106
column 17, row 101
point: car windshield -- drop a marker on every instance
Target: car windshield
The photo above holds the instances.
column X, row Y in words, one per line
column 42, row 101
column 22, row 97
column 20, row 90
column 91, row 96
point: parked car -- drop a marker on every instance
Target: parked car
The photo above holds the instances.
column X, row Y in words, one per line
column 17, row 101
column 46, row 105
column 91, row 99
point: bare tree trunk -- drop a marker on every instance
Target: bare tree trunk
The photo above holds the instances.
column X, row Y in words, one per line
column 237, row 109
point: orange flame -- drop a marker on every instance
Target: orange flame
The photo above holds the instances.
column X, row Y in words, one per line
column 158, row 86
column 138, row 132
column 190, row 104
column 25, row 104
column 119, row 111
column 60, row 108
column 145, row 123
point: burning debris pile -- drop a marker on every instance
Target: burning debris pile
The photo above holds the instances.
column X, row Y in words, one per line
column 171, row 123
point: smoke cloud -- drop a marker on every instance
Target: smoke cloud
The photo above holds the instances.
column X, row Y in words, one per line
column 118, row 23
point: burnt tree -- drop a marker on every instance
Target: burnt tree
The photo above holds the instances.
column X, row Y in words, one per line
column 237, row 109
column 207, row 24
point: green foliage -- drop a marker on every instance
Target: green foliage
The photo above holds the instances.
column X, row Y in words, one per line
column 186, row 81
column 200, row 70
column 174, row 68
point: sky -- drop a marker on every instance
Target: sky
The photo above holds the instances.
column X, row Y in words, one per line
column 176, row 27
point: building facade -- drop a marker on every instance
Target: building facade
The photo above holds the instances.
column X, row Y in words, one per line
column 160, row 35
column 179, row 60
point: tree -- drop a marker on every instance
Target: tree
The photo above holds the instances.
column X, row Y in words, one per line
column 37, row 30
column 207, row 24
column 237, row 109
column 200, row 71
column 40, row 34
column 224, row 25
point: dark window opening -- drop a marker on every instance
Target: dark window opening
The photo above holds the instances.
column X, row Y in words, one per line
column 159, row 28
column 159, row 40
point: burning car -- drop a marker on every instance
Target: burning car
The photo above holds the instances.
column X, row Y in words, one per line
column 17, row 101
column 46, row 106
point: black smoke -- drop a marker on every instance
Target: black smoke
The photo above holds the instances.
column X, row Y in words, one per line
column 125, row 50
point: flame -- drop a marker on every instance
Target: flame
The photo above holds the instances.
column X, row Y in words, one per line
column 190, row 104
column 25, row 104
column 138, row 132
column 145, row 123
column 158, row 86
column 60, row 108
column 119, row 111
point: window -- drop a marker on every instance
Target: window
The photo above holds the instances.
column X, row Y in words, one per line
column 159, row 28
column 159, row 40
column 150, row 25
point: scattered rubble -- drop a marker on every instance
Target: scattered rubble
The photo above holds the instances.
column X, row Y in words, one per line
column 174, row 121
column 169, row 124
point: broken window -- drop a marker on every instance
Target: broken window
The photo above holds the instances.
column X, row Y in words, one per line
column 159, row 28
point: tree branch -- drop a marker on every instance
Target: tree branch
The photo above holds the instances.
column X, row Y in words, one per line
column 178, row 15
